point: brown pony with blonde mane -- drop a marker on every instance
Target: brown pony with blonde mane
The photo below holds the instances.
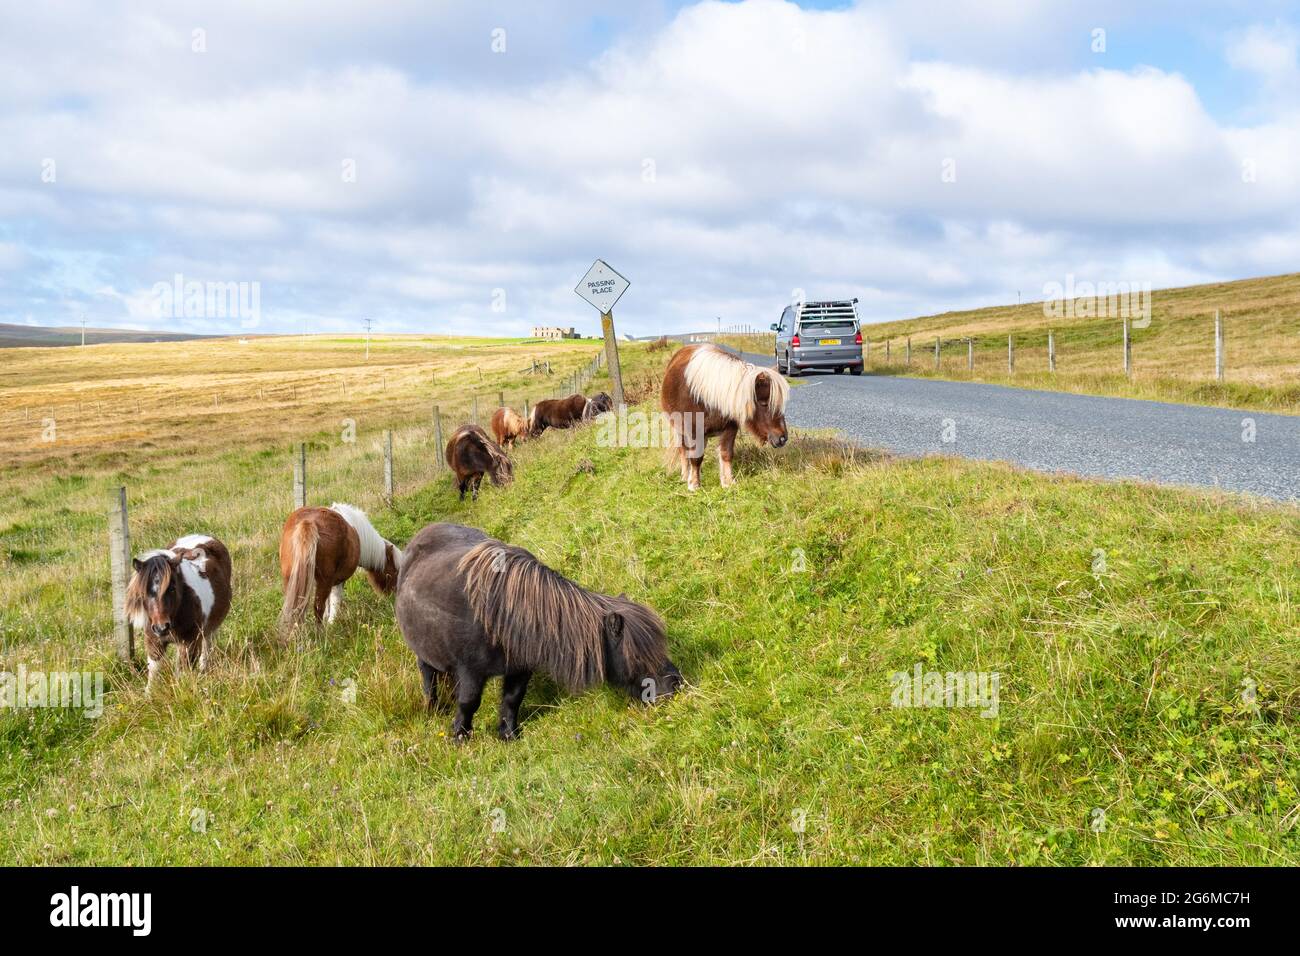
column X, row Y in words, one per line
column 508, row 426
column 322, row 548
column 707, row 391
column 471, row 607
column 180, row 595
column 471, row 454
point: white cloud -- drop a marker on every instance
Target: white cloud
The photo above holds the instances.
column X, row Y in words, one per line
column 789, row 148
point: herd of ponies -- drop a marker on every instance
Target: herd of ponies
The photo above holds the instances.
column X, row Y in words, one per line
column 469, row 606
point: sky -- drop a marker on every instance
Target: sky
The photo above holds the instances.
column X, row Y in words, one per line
column 457, row 166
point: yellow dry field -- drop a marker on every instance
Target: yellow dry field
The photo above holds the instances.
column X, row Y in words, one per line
column 95, row 405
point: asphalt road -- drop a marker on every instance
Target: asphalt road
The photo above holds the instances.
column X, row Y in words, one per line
column 1086, row 435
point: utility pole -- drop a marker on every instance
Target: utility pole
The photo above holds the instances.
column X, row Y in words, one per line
column 368, row 340
column 83, row 330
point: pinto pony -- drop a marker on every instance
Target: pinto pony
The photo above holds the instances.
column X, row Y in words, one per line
column 508, row 426
column 566, row 412
column 708, row 391
column 471, row 455
column 180, row 595
column 472, row 608
column 324, row 547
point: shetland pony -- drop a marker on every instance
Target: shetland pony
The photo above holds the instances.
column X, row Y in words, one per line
column 565, row 412
column 324, row 547
column 180, row 595
column 472, row 608
column 707, row 391
column 471, row 455
column 508, row 426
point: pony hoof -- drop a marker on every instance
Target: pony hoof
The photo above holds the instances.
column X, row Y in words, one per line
column 508, row 733
column 460, row 736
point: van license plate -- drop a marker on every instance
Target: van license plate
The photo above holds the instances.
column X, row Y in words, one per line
column 828, row 341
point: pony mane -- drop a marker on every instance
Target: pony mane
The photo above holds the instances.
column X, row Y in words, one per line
column 137, row 590
column 374, row 556
column 724, row 383
column 543, row 621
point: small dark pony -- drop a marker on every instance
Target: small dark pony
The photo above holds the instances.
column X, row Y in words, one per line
column 472, row 608
column 707, row 391
column 180, row 595
column 567, row 412
column 471, row 454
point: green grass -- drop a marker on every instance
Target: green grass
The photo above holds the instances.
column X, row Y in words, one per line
column 1121, row 682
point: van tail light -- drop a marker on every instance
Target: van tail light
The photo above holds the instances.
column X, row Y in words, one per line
column 794, row 340
column 857, row 339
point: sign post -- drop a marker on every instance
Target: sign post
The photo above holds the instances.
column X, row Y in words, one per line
column 602, row 287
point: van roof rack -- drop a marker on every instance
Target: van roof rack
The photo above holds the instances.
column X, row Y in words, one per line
column 831, row 309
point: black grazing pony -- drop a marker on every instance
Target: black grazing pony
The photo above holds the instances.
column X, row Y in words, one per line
column 472, row 608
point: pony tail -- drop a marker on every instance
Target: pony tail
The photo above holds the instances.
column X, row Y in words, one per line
column 302, row 575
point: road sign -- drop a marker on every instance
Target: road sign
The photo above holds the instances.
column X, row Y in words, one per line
column 602, row 286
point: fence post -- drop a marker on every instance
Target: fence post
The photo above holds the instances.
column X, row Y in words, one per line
column 1011, row 355
column 1128, row 350
column 970, row 355
column 909, row 350
column 119, row 551
column 1218, row 347
column 1051, row 351
column 886, row 351
column 937, row 342
column 501, row 399
column 388, row 467
column 437, row 437
column 300, row 477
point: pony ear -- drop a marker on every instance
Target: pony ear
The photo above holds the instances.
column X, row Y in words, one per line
column 613, row 629
column 762, row 388
column 137, row 563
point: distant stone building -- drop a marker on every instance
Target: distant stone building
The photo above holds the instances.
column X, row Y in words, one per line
column 554, row 332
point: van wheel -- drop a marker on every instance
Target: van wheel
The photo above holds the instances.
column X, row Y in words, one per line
column 855, row 370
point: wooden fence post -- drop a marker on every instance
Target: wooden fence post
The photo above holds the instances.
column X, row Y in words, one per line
column 300, row 477
column 437, row 437
column 909, row 350
column 970, row 355
column 388, row 467
column 501, row 399
column 1218, row 347
column 1011, row 355
column 1051, row 351
column 937, row 342
column 119, row 552
column 1128, row 350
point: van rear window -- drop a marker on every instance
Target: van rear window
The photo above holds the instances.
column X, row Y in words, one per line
column 823, row 328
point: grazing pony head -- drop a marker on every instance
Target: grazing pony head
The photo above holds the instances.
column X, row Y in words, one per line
column 598, row 404
column 385, row 581
column 767, row 422
column 543, row 621
column 156, row 593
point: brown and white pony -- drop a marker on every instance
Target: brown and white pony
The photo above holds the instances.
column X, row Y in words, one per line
column 566, row 412
column 708, row 391
column 180, row 595
column 471, row 454
column 324, row 547
column 508, row 426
